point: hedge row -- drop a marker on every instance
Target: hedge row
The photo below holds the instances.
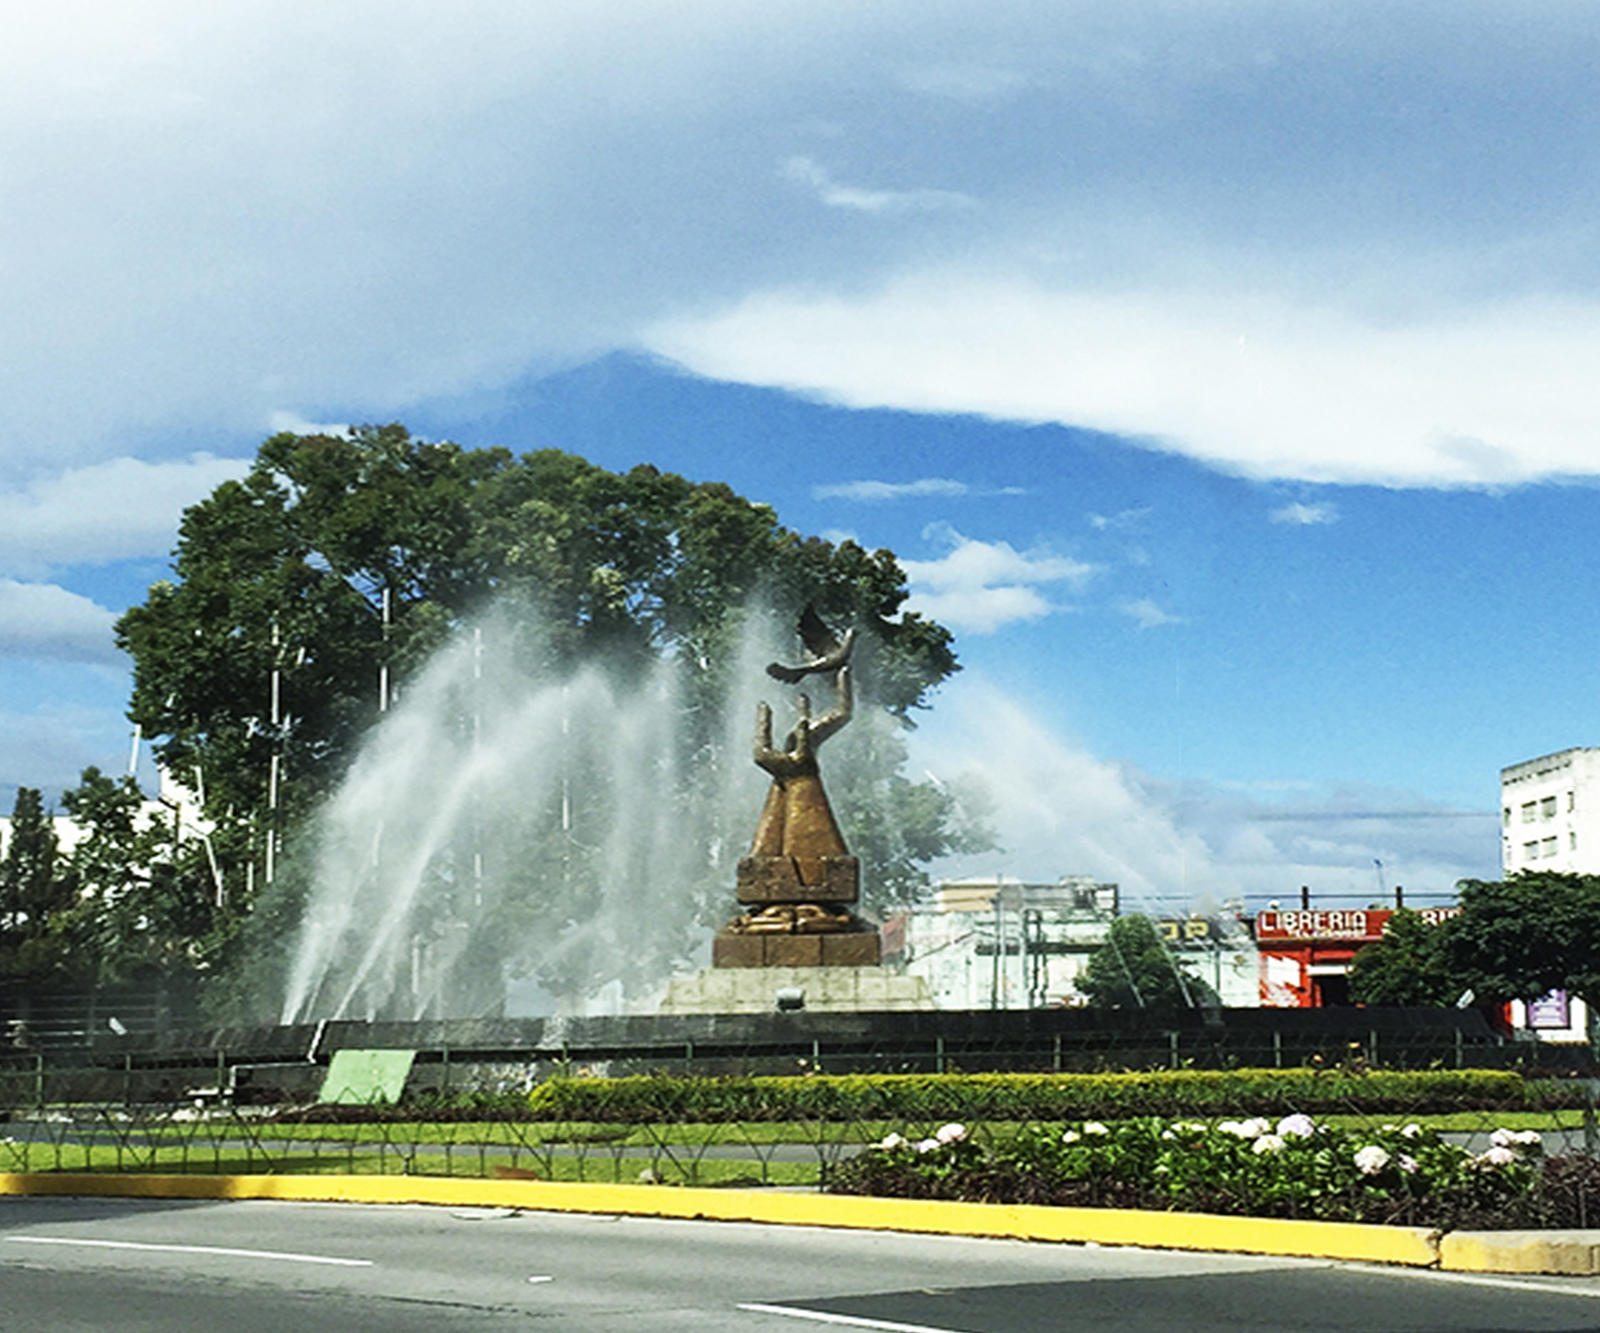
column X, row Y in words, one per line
column 1039, row 1096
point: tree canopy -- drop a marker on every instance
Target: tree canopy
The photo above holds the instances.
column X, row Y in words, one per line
column 1134, row 969
column 1407, row 966
column 306, row 596
column 1522, row 937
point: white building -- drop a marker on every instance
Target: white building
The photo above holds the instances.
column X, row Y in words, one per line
column 1550, row 813
column 175, row 807
column 1550, row 820
column 998, row 943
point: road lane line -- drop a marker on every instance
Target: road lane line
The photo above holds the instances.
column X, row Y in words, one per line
column 193, row 1249
column 847, row 1320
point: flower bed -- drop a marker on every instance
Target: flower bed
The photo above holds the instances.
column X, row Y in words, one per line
column 1291, row 1167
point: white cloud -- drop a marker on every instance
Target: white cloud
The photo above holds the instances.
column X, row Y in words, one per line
column 981, row 586
column 107, row 511
column 804, row 171
column 888, row 490
column 1121, row 521
column 43, row 620
column 871, row 491
column 1146, row 614
column 297, row 425
column 1305, row 515
column 1235, row 231
column 1489, row 395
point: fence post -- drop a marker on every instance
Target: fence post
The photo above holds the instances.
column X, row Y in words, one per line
column 444, row 1059
column 1460, row 1050
column 127, row 1079
column 1057, row 1044
column 938, row 1054
column 1277, row 1049
column 1591, row 1129
column 1172, row 1049
column 38, row 1079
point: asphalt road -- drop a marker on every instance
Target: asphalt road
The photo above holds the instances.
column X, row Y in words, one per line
column 73, row 1265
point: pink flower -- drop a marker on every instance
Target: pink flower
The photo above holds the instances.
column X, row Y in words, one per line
column 1297, row 1126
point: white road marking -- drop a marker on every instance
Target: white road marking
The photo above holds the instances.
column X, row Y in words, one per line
column 847, row 1320
column 541, row 1279
column 193, row 1249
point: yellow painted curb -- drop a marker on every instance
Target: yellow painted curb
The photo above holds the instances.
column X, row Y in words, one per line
column 1570, row 1253
column 1105, row 1226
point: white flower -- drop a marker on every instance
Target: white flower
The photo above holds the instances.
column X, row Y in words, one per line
column 1071, row 1136
column 1411, row 1130
column 951, row 1133
column 1515, row 1138
column 1255, row 1127
column 1371, row 1160
column 1094, row 1127
column 1167, row 1135
column 890, row 1141
column 1267, row 1143
column 1408, row 1164
column 926, row 1145
column 1189, row 1126
column 1498, row 1156
column 1297, row 1126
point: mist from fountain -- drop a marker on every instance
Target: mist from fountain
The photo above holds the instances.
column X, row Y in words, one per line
column 577, row 832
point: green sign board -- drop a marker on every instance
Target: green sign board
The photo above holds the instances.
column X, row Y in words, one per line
column 360, row 1078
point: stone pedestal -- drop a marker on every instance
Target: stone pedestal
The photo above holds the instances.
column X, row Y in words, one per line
column 799, row 917
column 746, row 990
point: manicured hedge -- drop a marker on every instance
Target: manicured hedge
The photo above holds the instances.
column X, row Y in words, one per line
column 1038, row 1096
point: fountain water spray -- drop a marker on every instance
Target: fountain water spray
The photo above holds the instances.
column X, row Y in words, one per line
column 577, row 831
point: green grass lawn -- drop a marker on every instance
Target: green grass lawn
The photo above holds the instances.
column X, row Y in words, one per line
column 678, row 1153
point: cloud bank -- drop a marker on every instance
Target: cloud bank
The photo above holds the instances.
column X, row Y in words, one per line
column 1297, row 242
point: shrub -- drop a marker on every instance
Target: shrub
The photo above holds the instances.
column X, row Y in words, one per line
column 1295, row 1167
column 1014, row 1097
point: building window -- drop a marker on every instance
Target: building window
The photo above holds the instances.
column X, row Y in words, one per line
column 1547, row 808
column 1573, row 843
column 1505, row 816
column 1549, row 847
column 1530, row 851
column 1572, row 799
column 1530, row 811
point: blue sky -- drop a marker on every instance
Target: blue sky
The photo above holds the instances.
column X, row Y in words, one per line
column 1222, row 373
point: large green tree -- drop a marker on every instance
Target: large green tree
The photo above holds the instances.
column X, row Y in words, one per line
column 306, row 596
column 1407, row 966
column 1519, row 938
column 1134, row 969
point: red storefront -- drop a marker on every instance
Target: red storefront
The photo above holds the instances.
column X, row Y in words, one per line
column 1305, row 954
